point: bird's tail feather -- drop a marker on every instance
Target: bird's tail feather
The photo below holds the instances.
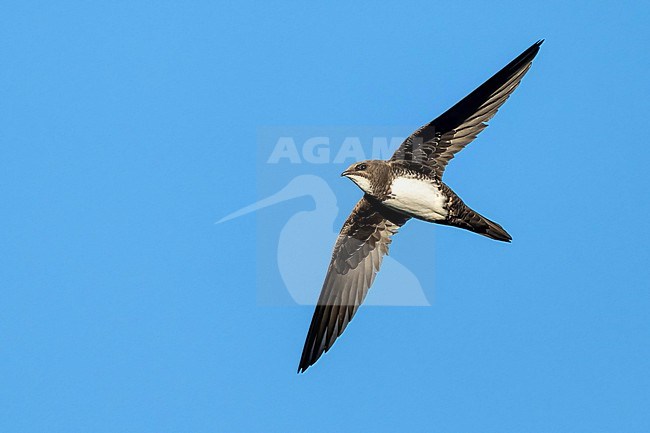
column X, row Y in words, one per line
column 495, row 231
column 470, row 220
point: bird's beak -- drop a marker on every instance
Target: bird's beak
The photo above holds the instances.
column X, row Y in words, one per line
column 345, row 173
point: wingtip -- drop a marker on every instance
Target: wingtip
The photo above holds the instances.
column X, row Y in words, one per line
column 527, row 56
column 534, row 49
column 304, row 364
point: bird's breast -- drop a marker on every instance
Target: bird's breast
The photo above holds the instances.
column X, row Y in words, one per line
column 419, row 198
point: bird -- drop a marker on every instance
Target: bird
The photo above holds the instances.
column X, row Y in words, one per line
column 408, row 185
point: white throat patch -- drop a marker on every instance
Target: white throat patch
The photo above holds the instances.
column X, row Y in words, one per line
column 361, row 182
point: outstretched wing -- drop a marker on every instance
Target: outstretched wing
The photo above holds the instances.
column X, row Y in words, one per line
column 435, row 143
column 356, row 258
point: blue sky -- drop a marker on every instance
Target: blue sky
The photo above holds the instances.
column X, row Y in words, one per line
column 129, row 128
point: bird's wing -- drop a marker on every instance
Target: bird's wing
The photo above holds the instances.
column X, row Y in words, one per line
column 356, row 258
column 435, row 143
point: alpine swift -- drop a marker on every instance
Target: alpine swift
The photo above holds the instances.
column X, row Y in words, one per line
column 408, row 185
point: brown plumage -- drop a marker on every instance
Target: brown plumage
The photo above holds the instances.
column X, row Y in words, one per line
column 409, row 185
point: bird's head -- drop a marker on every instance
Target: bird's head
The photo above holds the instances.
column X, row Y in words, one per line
column 369, row 175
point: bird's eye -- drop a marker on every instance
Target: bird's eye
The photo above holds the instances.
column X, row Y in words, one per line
column 361, row 167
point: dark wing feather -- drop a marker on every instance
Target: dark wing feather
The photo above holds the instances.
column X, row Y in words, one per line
column 356, row 258
column 435, row 143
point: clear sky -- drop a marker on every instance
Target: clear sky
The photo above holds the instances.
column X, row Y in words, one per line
column 129, row 128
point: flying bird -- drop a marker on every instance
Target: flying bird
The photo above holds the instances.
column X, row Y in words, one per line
column 408, row 185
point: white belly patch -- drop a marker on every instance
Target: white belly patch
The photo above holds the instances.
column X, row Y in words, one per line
column 418, row 198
